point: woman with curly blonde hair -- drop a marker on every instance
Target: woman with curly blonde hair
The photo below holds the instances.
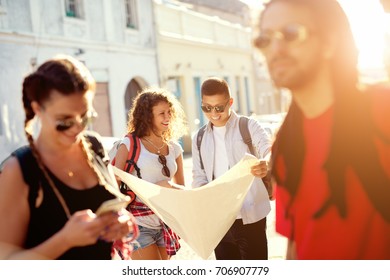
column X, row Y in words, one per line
column 158, row 120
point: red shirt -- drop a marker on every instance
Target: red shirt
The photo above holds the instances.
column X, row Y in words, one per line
column 363, row 234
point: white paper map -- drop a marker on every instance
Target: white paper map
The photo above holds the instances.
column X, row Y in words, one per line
column 201, row 216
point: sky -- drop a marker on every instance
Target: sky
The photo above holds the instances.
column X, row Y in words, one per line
column 368, row 23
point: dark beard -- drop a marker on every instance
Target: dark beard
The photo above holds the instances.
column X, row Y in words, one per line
column 293, row 80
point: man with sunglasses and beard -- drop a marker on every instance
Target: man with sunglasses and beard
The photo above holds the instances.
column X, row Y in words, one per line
column 221, row 148
column 331, row 156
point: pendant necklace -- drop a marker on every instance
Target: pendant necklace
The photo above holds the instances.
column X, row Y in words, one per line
column 157, row 148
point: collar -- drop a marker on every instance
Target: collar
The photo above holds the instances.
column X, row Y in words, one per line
column 231, row 121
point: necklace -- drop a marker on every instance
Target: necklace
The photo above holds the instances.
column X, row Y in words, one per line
column 100, row 170
column 157, row 148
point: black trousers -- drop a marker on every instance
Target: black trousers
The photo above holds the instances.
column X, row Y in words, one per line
column 244, row 242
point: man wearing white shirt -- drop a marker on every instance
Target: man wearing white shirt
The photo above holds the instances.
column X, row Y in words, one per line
column 221, row 148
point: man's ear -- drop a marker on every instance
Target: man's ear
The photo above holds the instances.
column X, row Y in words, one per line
column 36, row 108
column 329, row 47
column 231, row 101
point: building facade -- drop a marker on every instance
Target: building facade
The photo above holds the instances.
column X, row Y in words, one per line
column 193, row 46
column 127, row 45
column 114, row 38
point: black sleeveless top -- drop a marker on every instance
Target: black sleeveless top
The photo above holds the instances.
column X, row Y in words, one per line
column 49, row 217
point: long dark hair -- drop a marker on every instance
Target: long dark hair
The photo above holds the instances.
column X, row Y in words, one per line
column 352, row 140
column 62, row 73
column 66, row 75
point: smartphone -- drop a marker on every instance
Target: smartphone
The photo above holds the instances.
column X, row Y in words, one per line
column 112, row 205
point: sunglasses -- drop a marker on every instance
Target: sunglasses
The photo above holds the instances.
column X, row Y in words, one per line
column 88, row 118
column 165, row 170
column 290, row 34
column 217, row 109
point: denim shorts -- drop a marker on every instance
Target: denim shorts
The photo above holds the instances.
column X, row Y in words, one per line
column 147, row 237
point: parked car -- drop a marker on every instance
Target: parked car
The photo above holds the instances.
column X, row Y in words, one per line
column 270, row 122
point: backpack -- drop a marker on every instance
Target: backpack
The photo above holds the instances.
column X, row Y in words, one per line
column 246, row 137
column 131, row 162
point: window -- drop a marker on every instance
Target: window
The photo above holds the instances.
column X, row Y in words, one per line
column 197, row 90
column 247, row 95
column 1, row 124
column 238, row 95
column 73, row 8
column 3, row 7
column 131, row 14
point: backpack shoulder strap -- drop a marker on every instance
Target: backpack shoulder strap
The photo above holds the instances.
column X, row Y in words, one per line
column 133, row 155
column 245, row 134
column 31, row 172
column 131, row 164
column 199, row 138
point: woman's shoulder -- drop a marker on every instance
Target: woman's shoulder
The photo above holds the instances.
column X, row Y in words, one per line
column 23, row 163
column 9, row 164
column 176, row 146
column 20, row 157
column 16, row 155
column 16, row 170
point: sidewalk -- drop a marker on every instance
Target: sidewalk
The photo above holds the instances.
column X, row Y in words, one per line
column 276, row 243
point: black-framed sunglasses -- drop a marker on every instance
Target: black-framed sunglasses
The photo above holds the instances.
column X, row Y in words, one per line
column 217, row 109
column 88, row 118
column 290, row 34
column 165, row 170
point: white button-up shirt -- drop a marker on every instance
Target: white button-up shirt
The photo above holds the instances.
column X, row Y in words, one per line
column 253, row 209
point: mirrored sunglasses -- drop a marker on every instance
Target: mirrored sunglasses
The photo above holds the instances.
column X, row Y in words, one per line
column 88, row 118
column 217, row 109
column 290, row 34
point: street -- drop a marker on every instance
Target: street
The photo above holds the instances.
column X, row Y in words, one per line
column 276, row 243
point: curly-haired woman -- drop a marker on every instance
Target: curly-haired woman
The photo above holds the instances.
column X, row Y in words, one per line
column 158, row 120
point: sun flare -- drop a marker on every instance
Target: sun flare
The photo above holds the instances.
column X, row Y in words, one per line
column 370, row 26
column 368, row 23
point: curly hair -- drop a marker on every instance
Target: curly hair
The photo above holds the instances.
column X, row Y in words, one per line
column 141, row 114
